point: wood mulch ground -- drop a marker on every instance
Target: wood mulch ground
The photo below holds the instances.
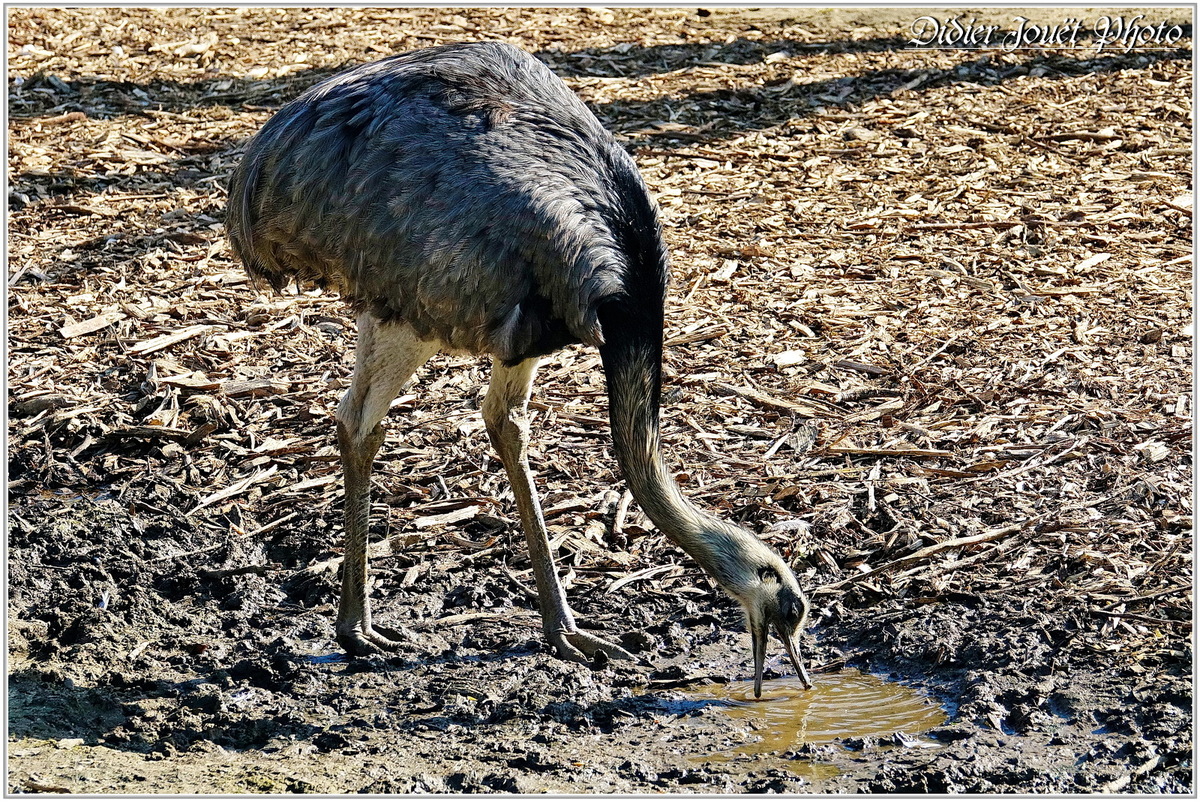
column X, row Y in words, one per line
column 930, row 331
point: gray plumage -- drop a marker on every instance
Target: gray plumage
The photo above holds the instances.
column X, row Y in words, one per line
column 454, row 188
column 463, row 198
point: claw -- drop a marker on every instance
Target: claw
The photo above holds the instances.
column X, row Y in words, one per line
column 362, row 641
column 586, row 649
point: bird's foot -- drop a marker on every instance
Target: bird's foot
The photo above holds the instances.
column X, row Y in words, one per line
column 361, row 640
column 584, row 648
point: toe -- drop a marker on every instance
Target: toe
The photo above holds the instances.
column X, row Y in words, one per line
column 616, row 652
column 592, row 646
column 363, row 641
column 355, row 644
column 561, row 642
column 380, row 641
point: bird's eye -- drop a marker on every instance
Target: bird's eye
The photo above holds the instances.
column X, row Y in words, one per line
column 801, row 611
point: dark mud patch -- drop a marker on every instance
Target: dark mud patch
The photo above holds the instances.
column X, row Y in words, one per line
column 118, row 650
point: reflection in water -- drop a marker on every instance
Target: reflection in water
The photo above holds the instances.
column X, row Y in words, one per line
column 845, row 704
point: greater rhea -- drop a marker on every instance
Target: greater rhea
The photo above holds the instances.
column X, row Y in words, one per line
column 462, row 198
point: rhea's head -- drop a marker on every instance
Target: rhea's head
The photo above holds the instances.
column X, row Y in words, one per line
column 776, row 603
column 770, row 596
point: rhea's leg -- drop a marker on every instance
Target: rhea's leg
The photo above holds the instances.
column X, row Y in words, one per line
column 504, row 412
column 385, row 357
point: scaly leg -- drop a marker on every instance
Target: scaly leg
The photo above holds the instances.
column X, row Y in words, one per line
column 504, row 412
column 385, row 357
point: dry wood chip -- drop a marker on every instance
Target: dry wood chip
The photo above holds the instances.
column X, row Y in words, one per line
column 91, row 324
column 928, row 551
column 253, row 387
column 311, row 484
column 809, row 408
column 876, row 412
column 191, row 381
column 898, row 450
column 1091, row 261
column 44, row 788
column 786, row 359
column 69, row 117
column 26, row 407
column 873, row 370
column 442, row 519
column 1184, row 202
column 458, row 619
column 150, row 432
column 236, row 489
column 167, row 340
column 638, row 576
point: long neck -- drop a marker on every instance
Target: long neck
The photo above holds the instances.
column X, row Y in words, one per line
column 632, row 357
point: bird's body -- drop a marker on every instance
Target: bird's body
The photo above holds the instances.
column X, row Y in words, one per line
column 463, row 190
column 463, row 198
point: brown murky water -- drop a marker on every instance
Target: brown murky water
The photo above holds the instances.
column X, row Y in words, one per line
column 845, row 704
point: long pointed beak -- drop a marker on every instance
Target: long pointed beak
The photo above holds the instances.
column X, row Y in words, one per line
column 796, row 661
column 758, row 638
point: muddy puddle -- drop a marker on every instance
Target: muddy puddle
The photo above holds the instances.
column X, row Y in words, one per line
column 843, row 705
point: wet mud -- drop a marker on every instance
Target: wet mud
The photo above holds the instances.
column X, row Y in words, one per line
column 139, row 663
